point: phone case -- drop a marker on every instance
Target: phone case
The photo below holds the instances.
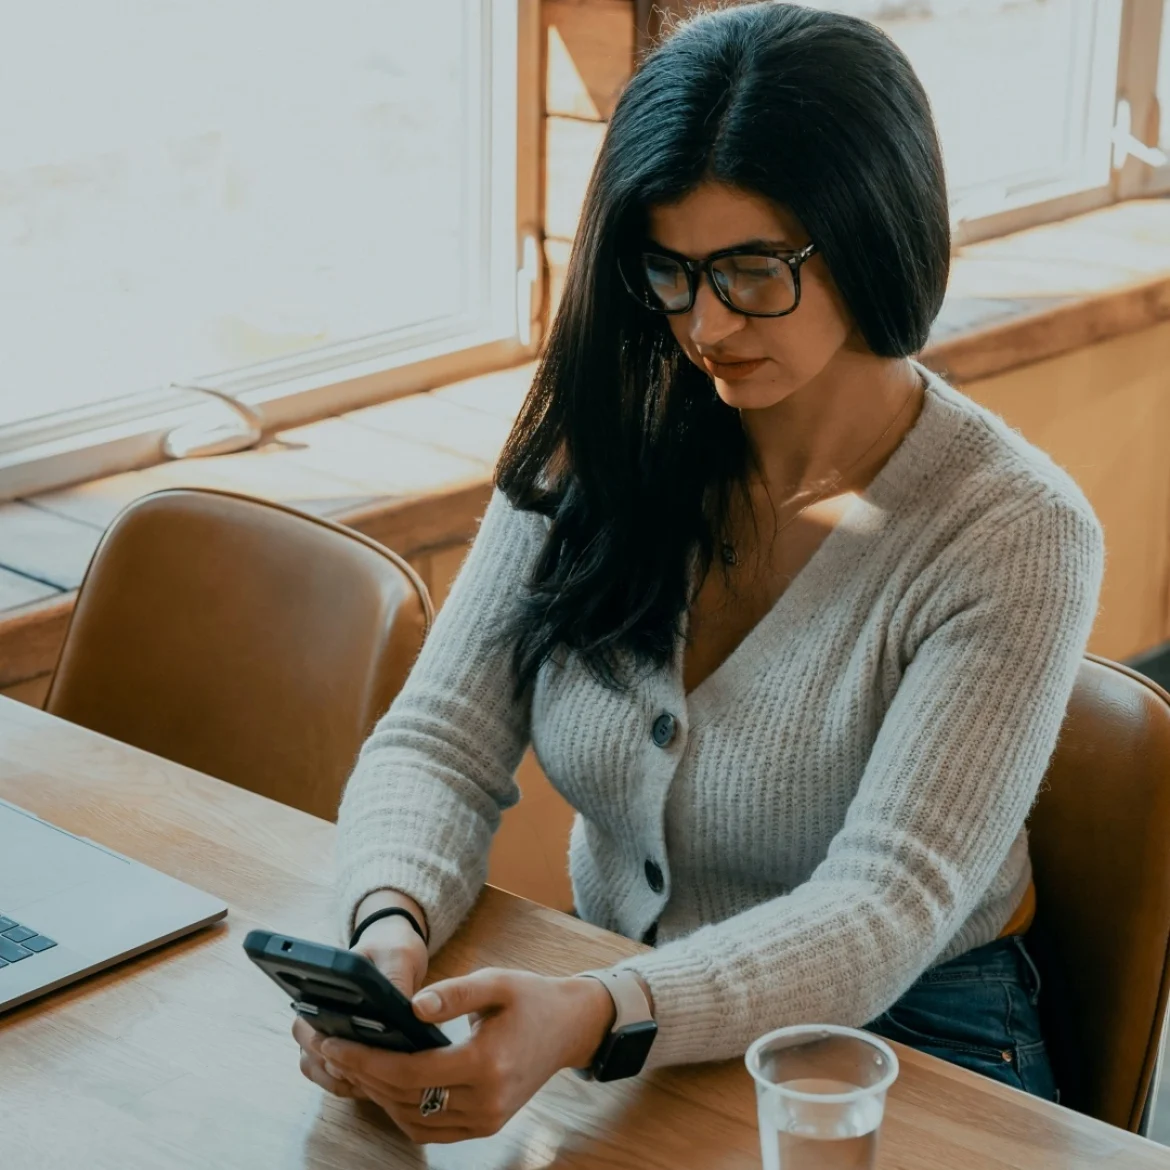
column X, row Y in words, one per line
column 341, row 993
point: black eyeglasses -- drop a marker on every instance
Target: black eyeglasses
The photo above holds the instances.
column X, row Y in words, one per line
column 748, row 281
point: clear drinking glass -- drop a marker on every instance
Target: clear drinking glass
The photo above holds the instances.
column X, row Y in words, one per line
column 821, row 1095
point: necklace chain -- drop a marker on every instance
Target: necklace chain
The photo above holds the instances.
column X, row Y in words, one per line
column 729, row 553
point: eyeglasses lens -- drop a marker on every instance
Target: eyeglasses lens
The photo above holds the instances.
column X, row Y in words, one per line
column 667, row 286
column 754, row 284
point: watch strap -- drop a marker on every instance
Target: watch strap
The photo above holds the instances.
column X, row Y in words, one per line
column 629, row 1000
column 626, row 1046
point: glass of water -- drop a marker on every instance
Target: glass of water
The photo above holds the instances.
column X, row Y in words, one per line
column 821, row 1095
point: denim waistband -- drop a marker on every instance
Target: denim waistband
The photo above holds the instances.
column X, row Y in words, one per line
column 1006, row 960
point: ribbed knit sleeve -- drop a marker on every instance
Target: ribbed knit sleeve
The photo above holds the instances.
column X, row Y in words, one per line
column 430, row 783
column 954, row 771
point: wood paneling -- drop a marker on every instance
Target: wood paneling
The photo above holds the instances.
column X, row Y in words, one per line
column 31, row 637
column 655, row 17
column 438, row 567
column 445, row 565
column 571, row 147
column 590, row 50
column 182, row 1058
column 421, row 564
column 438, row 519
column 31, row 691
column 530, row 853
column 1103, row 413
column 590, row 55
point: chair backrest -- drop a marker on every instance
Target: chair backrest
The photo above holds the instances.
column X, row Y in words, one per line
column 1100, row 845
column 242, row 638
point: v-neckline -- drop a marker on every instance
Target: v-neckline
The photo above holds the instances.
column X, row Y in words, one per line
column 696, row 698
column 861, row 516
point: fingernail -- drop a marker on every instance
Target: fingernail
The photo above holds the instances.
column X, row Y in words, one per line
column 334, row 1071
column 428, row 1003
column 328, row 1048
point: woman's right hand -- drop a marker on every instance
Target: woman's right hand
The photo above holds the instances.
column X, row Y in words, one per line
column 392, row 945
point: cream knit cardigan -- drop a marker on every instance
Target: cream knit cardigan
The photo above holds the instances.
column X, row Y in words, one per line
column 842, row 803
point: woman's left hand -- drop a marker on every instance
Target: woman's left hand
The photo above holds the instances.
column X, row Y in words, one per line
column 525, row 1028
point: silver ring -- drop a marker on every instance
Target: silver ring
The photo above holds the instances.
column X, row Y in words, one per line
column 433, row 1101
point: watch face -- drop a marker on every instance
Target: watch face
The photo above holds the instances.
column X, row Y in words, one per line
column 625, row 1052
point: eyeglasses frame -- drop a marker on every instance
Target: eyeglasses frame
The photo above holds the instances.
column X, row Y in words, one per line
column 695, row 268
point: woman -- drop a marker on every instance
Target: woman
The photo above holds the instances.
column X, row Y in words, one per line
column 789, row 621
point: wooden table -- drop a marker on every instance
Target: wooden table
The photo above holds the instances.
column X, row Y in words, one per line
column 183, row 1057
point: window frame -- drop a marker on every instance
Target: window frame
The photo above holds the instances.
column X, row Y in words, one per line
column 131, row 432
column 1137, row 76
column 1137, row 82
column 1137, row 79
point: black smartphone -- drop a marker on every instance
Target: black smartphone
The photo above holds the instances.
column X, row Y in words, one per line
column 341, row 993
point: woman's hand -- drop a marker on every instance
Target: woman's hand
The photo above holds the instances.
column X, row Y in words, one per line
column 397, row 951
column 525, row 1028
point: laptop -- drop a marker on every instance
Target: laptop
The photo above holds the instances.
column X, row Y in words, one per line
column 69, row 907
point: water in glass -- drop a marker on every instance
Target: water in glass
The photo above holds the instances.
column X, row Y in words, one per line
column 811, row 1138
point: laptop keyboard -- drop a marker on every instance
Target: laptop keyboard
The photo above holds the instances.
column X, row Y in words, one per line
column 20, row 942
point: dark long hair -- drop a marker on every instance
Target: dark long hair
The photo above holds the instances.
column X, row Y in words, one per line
column 623, row 443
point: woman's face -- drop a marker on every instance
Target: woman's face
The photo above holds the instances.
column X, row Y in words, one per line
column 755, row 362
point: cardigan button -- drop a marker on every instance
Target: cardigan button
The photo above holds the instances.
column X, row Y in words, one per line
column 664, row 729
column 654, row 877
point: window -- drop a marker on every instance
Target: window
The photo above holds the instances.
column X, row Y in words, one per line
column 1032, row 98
column 302, row 206
column 1163, row 89
column 1023, row 94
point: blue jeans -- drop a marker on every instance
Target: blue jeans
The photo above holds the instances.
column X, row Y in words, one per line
column 979, row 1011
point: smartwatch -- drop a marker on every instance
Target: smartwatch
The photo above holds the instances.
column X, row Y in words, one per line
column 624, row 1051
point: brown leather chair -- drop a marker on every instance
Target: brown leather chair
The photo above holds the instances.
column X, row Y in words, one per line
column 1100, row 844
column 241, row 638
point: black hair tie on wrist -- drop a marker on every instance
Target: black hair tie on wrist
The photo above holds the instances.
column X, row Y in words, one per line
column 389, row 912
